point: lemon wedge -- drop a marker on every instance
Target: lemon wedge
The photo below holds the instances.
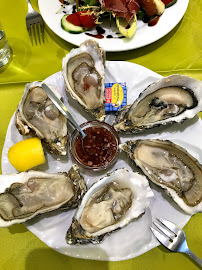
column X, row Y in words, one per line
column 26, row 154
column 125, row 28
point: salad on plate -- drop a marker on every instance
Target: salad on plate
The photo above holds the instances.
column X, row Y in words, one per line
column 88, row 14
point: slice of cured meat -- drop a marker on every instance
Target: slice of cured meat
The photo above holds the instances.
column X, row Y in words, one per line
column 122, row 8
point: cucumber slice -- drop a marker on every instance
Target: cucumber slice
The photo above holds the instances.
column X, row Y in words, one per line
column 69, row 27
column 170, row 4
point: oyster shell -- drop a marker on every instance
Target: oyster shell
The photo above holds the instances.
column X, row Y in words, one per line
column 28, row 194
column 36, row 115
column 83, row 70
column 166, row 101
column 171, row 167
column 110, row 204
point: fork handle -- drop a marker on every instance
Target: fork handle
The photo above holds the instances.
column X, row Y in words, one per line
column 30, row 8
column 194, row 257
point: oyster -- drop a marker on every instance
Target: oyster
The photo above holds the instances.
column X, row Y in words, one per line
column 38, row 116
column 170, row 167
column 166, row 101
column 83, row 70
column 110, row 204
column 31, row 193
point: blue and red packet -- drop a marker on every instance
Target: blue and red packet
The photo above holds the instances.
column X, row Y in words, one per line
column 115, row 96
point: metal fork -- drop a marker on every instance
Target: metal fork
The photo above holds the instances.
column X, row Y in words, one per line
column 173, row 238
column 35, row 24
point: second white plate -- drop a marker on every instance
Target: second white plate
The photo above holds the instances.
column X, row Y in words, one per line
column 143, row 36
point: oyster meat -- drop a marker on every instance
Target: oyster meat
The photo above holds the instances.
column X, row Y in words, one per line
column 83, row 70
column 28, row 194
column 171, row 167
column 110, row 204
column 166, row 101
column 36, row 115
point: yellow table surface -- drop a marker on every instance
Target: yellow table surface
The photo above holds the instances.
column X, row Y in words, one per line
column 178, row 52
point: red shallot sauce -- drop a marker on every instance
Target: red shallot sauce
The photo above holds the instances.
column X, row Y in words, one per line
column 97, row 149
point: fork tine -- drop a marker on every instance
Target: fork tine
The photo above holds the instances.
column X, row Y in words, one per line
column 41, row 29
column 171, row 226
column 38, row 31
column 35, row 32
column 166, row 232
column 163, row 239
column 30, row 34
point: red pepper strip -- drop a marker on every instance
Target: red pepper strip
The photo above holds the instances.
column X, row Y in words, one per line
column 166, row 2
column 80, row 19
column 74, row 19
column 87, row 21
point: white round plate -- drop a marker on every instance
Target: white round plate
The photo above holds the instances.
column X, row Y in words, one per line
column 136, row 238
column 143, row 36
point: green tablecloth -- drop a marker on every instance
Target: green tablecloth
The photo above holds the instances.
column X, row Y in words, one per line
column 178, row 52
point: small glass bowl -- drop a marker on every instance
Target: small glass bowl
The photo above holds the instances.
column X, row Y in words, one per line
column 97, row 124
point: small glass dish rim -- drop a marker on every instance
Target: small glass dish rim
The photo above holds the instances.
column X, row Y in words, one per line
column 84, row 125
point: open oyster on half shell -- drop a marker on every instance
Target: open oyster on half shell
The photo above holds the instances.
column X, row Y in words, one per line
column 171, row 167
column 36, row 115
column 110, row 204
column 83, row 70
column 169, row 100
column 27, row 194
